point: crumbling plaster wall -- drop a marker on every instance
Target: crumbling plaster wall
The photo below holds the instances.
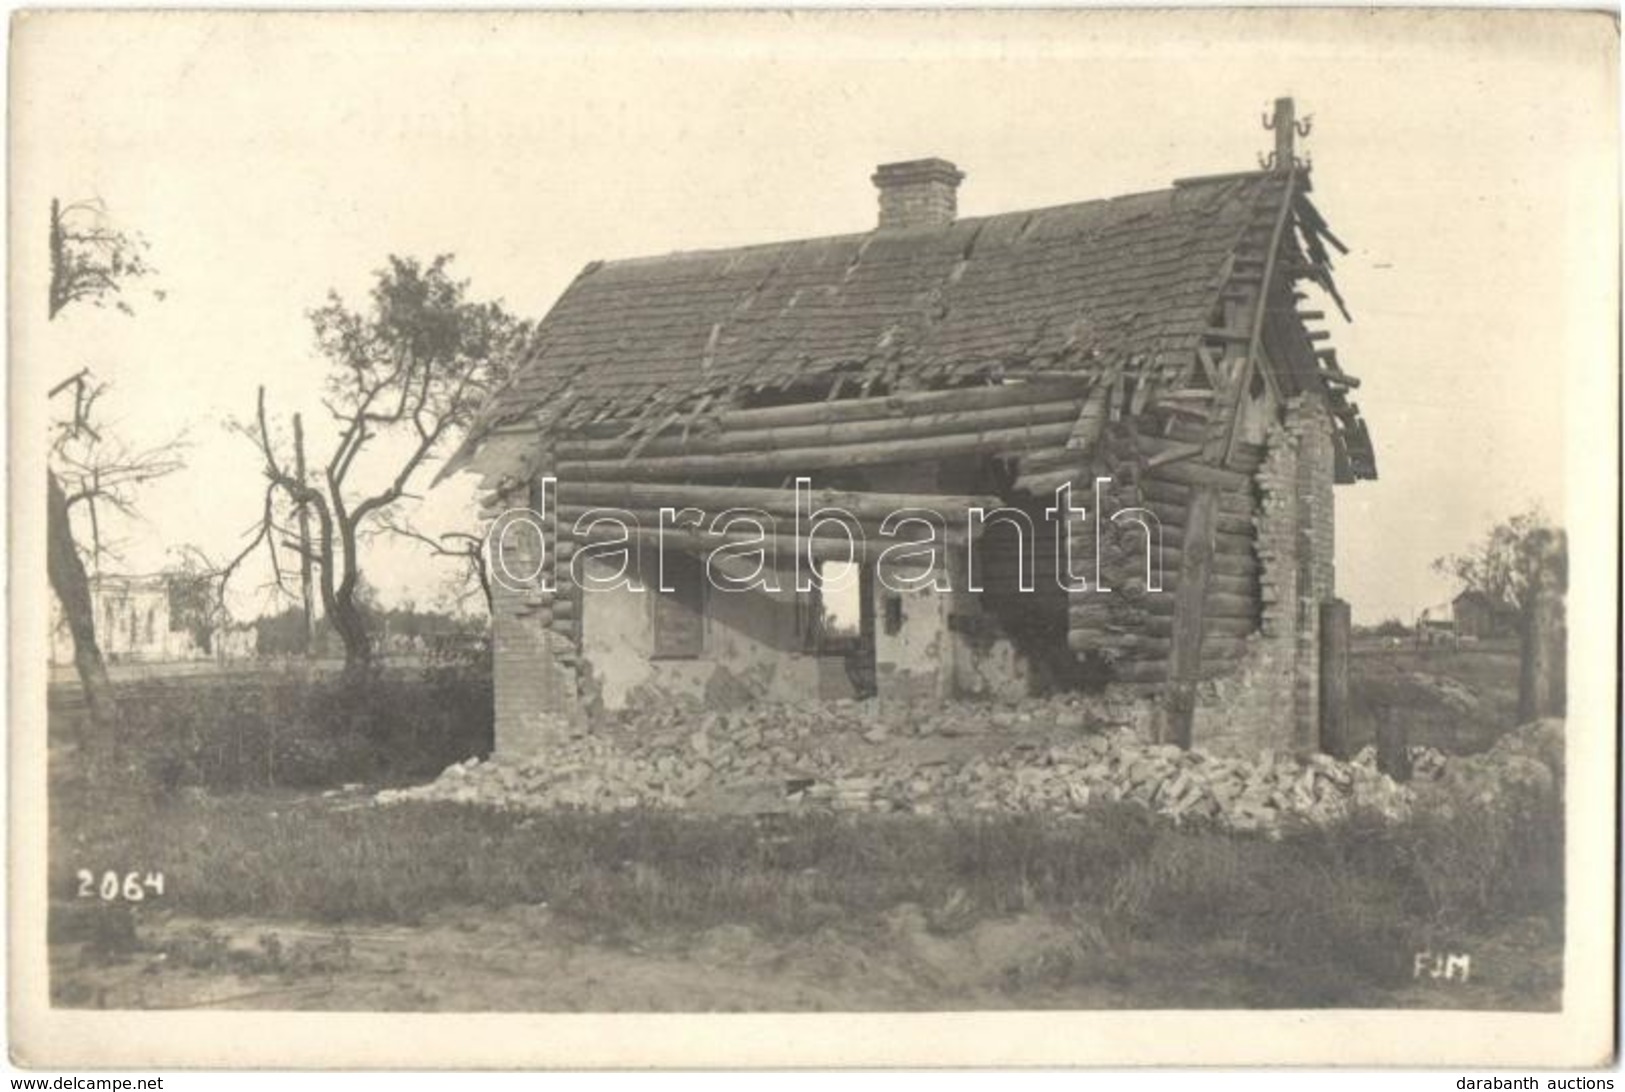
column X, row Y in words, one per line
column 947, row 644
column 914, row 658
column 751, row 650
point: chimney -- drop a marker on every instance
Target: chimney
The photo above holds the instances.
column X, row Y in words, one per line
column 921, row 193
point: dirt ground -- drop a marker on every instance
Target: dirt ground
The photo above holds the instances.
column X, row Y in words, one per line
column 522, row 959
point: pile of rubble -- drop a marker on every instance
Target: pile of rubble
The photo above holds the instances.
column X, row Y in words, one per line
column 1052, row 757
column 1522, row 767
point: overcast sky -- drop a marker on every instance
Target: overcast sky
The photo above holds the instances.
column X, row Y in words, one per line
column 1467, row 160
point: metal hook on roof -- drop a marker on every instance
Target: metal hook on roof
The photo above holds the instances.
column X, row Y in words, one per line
column 1266, row 162
column 1267, row 121
column 1303, row 127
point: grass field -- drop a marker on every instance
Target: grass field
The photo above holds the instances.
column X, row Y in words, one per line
column 1459, row 700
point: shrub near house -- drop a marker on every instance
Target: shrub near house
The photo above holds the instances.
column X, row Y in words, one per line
column 295, row 731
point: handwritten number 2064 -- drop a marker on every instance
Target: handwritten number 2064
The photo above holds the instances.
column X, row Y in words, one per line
column 111, row 887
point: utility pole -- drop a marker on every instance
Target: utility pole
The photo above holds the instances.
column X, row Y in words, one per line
column 305, row 582
column 1285, row 124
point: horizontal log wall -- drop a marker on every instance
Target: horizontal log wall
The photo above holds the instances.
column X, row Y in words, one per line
column 790, row 437
column 1135, row 630
column 848, row 410
column 1001, row 441
column 784, row 548
column 1004, row 555
column 779, row 535
column 606, row 466
column 713, row 499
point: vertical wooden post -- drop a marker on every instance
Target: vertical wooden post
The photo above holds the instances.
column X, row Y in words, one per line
column 1285, row 119
column 306, row 583
column 1538, row 655
column 1393, row 745
column 1185, row 654
column 550, row 688
column 1334, row 677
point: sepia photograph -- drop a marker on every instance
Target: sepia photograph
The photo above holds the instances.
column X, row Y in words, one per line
column 949, row 533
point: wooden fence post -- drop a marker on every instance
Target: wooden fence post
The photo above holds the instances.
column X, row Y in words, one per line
column 1539, row 653
column 1393, row 745
column 1334, row 677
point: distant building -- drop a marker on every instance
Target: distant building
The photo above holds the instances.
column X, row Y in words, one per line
column 134, row 622
column 1478, row 616
column 236, row 642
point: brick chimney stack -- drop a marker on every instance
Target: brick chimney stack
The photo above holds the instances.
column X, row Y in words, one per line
column 921, row 193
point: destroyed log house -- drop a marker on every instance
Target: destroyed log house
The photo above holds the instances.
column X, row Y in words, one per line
column 1152, row 352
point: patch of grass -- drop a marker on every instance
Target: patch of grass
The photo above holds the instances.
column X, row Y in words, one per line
column 274, row 857
column 1310, row 920
column 1459, row 700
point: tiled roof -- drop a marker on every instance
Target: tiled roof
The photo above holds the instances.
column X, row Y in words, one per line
column 1125, row 283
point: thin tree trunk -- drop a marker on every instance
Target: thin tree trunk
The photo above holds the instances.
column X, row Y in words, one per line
column 306, row 577
column 339, row 597
column 352, row 631
column 72, row 588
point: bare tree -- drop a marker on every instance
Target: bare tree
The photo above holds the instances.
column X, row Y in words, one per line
column 91, row 262
column 1522, row 563
column 194, row 600
column 1514, row 557
column 465, row 547
column 407, row 373
column 98, row 472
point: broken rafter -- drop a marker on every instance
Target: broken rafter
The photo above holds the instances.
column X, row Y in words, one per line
column 1045, row 483
column 1255, row 341
column 1173, row 453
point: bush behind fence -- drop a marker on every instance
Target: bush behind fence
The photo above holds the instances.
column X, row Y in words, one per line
column 303, row 731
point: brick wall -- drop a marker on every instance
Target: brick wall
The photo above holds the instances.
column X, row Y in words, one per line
column 533, row 676
column 1307, row 421
column 1272, row 699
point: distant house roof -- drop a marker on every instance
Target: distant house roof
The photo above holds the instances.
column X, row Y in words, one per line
column 1473, row 597
column 1126, row 286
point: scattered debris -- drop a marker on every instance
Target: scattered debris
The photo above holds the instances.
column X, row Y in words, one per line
column 1052, row 756
column 1524, row 765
